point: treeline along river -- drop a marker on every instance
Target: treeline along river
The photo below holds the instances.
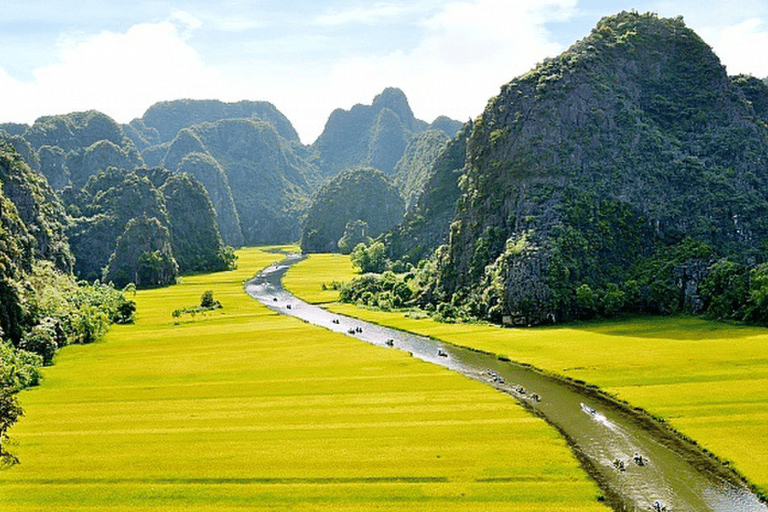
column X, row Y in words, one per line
column 632, row 459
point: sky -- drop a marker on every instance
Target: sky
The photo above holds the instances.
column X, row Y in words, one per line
column 310, row 57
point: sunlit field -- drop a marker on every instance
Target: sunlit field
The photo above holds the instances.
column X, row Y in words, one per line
column 244, row 409
column 707, row 379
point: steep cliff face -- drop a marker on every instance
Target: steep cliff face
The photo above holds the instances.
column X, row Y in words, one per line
column 38, row 207
column 205, row 169
column 367, row 135
column 268, row 180
column 143, row 255
column 426, row 223
column 413, row 169
column 195, row 238
column 632, row 140
column 71, row 148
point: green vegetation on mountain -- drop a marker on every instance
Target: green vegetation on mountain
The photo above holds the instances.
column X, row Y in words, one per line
column 76, row 146
column 257, row 173
column 355, row 206
column 426, row 223
column 38, row 207
column 375, row 135
column 607, row 179
column 186, row 241
column 162, row 121
column 413, row 168
column 196, row 242
column 42, row 306
column 205, row 169
column 269, row 179
column 143, row 255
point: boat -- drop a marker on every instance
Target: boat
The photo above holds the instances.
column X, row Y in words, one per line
column 587, row 409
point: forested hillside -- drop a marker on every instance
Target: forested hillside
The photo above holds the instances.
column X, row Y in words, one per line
column 354, row 207
column 617, row 176
column 42, row 306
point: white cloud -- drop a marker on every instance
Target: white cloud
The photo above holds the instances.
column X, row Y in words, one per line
column 741, row 47
column 120, row 74
column 468, row 50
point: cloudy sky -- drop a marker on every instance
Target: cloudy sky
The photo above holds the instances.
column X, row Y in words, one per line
column 310, row 57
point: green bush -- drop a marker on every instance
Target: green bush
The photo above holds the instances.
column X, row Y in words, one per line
column 89, row 324
column 370, row 258
column 9, row 413
column 19, row 369
column 208, row 302
column 41, row 340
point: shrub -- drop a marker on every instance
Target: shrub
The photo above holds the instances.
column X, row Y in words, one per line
column 89, row 324
column 41, row 340
column 19, row 369
column 9, row 413
column 586, row 301
column 207, row 300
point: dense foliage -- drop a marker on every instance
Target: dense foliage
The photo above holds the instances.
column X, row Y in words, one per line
column 42, row 306
column 607, row 179
column 112, row 199
column 357, row 204
column 37, row 207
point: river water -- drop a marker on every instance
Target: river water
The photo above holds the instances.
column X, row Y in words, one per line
column 631, row 462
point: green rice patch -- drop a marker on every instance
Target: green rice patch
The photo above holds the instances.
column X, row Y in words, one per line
column 709, row 380
column 244, row 409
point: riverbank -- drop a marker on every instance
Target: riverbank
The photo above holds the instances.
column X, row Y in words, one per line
column 706, row 380
column 244, row 409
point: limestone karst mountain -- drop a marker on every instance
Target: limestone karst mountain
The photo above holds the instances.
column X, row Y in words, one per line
column 373, row 135
column 633, row 148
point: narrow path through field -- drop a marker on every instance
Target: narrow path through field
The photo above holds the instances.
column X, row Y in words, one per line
column 640, row 464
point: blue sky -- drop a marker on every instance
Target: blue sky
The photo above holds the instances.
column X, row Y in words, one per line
column 311, row 57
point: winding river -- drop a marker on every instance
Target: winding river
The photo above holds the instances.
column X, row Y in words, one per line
column 636, row 461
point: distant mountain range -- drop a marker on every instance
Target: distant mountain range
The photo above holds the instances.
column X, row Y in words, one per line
column 258, row 176
column 610, row 178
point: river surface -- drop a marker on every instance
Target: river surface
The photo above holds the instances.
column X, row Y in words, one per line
column 630, row 463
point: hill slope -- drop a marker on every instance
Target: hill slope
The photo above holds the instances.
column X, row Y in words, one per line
column 634, row 141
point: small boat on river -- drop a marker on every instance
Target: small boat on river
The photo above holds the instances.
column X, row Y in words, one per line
column 587, row 409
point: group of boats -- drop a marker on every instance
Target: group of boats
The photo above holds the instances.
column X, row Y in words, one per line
column 621, row 466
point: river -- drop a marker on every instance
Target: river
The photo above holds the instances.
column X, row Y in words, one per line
column 638, row 463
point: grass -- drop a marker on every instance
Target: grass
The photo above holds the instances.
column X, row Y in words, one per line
column 306, row 281
column 244, row 409
column 709, row 380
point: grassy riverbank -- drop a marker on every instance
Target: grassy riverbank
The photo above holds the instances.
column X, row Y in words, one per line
column 244, row 409
column 709, row 380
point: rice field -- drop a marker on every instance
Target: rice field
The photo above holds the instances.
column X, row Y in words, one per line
column 244, row 409
column 709, row 380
